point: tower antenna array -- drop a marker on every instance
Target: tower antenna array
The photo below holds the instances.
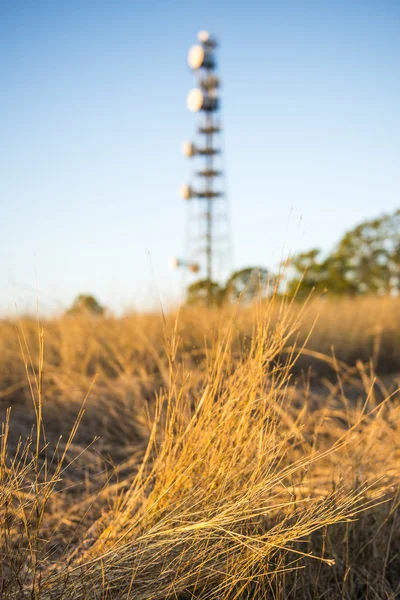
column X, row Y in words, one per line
column 211, row 243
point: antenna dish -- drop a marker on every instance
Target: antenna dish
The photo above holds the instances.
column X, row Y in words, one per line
column 196, row 57
column 188, row 149
column 199, row 57
column 194, row 267
column 197, row 100
column 173, row 262
column 206, row 38
column 186, row 191
column 203, row 36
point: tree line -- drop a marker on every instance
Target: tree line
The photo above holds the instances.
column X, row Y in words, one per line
column 366, row 260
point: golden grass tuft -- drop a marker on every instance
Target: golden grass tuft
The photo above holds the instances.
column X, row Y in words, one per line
column 231, row 461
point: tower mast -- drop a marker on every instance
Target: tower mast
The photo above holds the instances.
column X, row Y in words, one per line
column 212, row 239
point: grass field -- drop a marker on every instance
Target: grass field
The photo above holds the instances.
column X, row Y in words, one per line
column 226, row 453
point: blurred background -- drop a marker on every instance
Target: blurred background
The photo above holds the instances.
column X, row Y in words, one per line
column 93, row 113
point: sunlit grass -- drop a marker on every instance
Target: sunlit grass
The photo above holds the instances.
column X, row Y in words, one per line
column 224, row 468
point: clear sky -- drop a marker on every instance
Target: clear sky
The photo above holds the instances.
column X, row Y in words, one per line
column 93, row 112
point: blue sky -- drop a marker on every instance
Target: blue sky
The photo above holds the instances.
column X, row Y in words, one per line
column 93, row 112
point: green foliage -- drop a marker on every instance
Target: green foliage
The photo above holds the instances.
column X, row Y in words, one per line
column 205, row 291
column 246, row 284
column 365, row 261
column 86, row 304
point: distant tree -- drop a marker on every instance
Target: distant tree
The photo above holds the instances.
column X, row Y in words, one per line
column 86, row 304
column 205, row 291
column 307, row 272
column 247, row 284
column 371, row 252
column 312, row 272
column 366, row 260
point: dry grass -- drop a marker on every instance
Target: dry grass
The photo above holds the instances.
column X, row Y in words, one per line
column 230, row 461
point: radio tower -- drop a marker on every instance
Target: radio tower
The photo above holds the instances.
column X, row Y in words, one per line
column 208, row 250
